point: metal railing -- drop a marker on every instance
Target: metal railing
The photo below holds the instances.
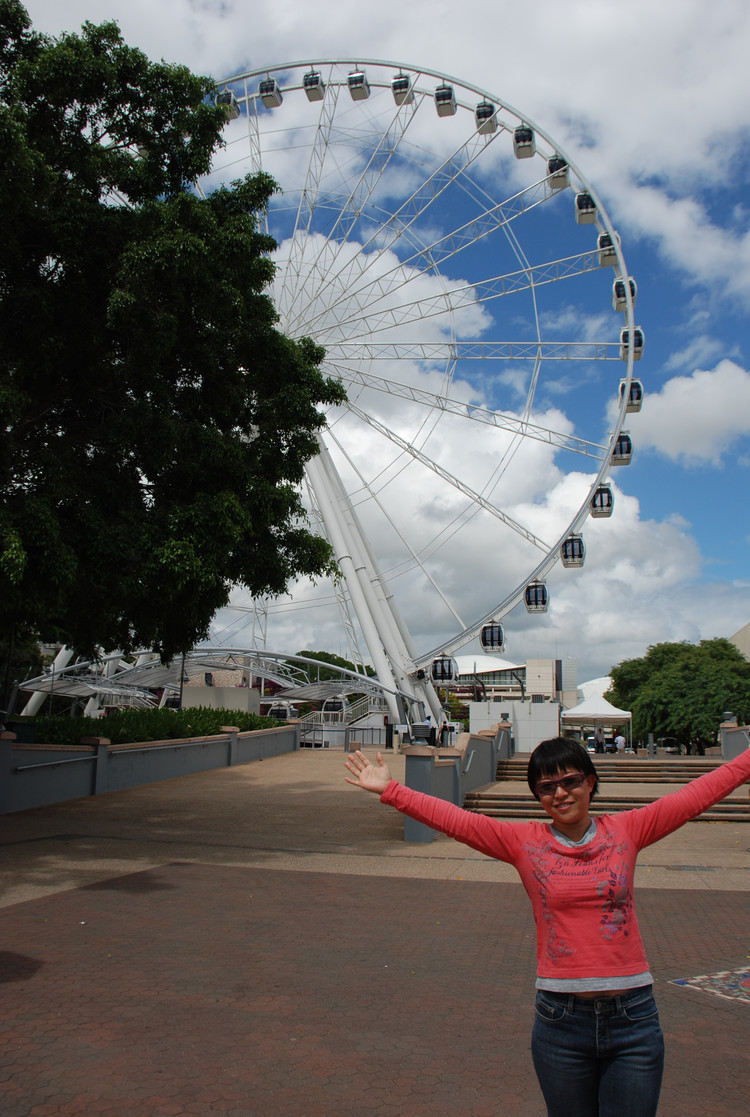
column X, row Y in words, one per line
column 323, row 729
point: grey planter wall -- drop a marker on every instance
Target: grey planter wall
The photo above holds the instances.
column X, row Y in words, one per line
column 36, row 776
column 451, row 774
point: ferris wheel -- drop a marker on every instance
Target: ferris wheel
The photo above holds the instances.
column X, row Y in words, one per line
column 471, row 294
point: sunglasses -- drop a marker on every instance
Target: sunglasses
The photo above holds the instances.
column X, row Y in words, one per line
column 567, row 783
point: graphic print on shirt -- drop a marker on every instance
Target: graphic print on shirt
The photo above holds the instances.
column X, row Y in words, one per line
column 540, row 857
column 570, row 877
column 617, row 910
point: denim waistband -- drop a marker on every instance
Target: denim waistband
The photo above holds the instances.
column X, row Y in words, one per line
column 597, row 1005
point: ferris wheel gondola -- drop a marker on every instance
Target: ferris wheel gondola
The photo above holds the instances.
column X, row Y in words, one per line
column 445, row 100
column 634, row 393
column 536, row 597
column 622, row 452
column 492, row 637
column 602, row 502
column 486, row 118
column 524, row 142
column 559, row 174
column 572, row 551
column 314, row 86
column 444, row 670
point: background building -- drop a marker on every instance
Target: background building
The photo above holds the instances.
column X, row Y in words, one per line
column 529, row 695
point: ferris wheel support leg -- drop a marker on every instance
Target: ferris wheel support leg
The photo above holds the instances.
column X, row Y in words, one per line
column 380, row 601
column 35, row 703
column 432, row 702
column 345, row 559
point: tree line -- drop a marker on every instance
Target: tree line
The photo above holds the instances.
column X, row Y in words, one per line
column 683, row 690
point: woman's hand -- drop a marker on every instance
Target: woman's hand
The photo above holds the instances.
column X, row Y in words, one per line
column 369, row 776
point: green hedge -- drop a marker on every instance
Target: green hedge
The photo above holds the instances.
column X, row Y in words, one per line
column 123, row 726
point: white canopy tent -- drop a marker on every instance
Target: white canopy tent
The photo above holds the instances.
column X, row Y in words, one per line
column 594, row 712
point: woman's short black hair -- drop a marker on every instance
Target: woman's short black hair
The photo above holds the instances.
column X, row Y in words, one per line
column 549, row 758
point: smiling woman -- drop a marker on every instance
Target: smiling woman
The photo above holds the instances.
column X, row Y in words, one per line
column 565, row 798
column 597, row 1045
column 458, row 270
column 561, row 775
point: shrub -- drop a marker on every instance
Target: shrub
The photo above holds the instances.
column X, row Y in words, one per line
column 122, row 727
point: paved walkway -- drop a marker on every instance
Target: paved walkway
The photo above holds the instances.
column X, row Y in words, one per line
column 259, row 941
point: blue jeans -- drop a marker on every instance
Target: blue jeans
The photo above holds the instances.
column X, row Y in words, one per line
column 598, row 1057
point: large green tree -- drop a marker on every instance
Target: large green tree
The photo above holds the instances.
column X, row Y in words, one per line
column 682, row 691
column 155, row 420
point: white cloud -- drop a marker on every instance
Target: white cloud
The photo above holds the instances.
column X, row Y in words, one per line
column 698, row 353
column 698, row 419
column 634, row 591
column 682, row 227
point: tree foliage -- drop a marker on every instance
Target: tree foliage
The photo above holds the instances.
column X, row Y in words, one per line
column 20, row 658
column 336, row 661
column 682, row 690
column 155, row 420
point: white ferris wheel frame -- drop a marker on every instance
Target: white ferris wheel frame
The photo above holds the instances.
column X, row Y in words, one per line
column 401, row 668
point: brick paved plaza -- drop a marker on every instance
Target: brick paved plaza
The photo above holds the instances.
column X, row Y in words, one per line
column 258, row 941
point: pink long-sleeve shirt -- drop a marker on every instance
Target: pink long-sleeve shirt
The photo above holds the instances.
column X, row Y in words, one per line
column 582, row 896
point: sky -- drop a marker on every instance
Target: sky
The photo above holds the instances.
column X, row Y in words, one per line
column 652, row 109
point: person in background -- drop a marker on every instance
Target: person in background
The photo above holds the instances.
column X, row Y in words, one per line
column 597, row 1044
column 433, row 731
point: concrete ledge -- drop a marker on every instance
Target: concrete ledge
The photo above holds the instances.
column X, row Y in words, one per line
column 448, row 773
column 96, row 766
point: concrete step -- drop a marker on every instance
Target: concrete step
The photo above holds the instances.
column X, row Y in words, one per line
column 627, row 770
column 501, row 804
